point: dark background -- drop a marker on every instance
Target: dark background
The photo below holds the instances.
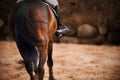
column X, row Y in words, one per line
column 90, row 21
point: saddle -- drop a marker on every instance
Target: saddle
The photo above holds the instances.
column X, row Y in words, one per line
column 52, row 8
column 49, row 5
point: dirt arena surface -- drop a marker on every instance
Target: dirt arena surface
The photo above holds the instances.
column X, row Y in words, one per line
column 71, row 62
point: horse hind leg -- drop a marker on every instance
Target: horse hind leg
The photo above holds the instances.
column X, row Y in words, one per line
column 50, row 60
column 29, row 54
column 42, row 50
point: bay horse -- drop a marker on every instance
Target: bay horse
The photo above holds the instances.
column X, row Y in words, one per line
column 33, row 25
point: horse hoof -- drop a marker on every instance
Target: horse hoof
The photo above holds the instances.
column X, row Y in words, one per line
column 51, row 78
column 36, row 77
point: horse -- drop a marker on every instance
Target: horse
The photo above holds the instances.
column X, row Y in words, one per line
column 33, row 26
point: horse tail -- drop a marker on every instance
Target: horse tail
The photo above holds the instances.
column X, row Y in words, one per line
column 25, row 36
column 22, row 25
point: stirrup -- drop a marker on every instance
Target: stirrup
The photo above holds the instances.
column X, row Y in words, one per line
column 64, row 30
column 60, row 32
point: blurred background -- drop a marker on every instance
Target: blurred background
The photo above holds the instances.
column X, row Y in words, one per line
column 90, row 21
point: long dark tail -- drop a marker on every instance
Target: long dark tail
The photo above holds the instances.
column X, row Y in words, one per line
column 25, row 38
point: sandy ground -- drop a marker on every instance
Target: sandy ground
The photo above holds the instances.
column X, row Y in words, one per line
column 71, row 62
